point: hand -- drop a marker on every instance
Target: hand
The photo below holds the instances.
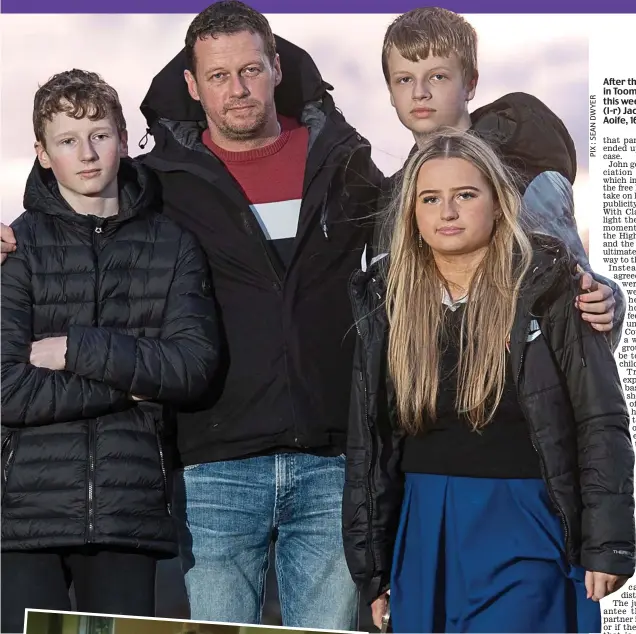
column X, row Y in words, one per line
column 378, row 608
column 7, row 242
column 49, row 353
column 596, row 304
column 600, row 584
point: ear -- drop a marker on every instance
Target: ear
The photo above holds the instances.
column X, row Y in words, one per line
column 42, row 155
column 192, row 85
column 123, row 143
column 278, row 73
column 472, row 87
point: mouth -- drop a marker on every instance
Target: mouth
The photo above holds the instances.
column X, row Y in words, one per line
column 240, row 108
column 450, row 231
column 90, row 173
column 422, row 112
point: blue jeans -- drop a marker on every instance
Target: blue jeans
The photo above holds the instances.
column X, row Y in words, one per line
column 233, row 511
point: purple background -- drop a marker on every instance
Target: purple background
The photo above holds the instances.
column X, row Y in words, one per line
column 322, row 6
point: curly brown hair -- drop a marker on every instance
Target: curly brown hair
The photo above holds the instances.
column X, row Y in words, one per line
column 79, row 94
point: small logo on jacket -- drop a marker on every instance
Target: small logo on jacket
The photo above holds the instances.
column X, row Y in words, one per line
column 534, row 330
column 625, row 553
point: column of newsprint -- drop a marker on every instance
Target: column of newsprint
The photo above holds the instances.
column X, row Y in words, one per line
column 612, row 204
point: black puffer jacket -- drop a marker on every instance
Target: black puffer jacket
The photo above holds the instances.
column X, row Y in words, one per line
column 570, row 393
column 285, row 374
column 82, row 462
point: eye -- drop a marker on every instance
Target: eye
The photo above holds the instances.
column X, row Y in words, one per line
column 66, row 141
column 429, row 200
column 438, row 76
column 217, row 76
column 466, row 195
column 102, row 136
column 252, row 70
column 402, row 80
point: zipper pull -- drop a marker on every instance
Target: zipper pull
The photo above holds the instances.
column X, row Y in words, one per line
column 144, row 139
column 99, row 224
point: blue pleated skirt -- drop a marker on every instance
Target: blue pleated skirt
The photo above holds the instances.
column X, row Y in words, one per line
column 484, row 555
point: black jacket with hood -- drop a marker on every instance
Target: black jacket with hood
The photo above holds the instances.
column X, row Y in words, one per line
column 571, row 396
column 83, row 463
column 288, row 344
column 530, row 138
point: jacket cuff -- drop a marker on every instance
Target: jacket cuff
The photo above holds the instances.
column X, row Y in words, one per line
column 374, row 589
column 74, row 338
column 611, row 562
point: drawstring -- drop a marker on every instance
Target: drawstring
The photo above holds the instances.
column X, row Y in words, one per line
column 144, row 139
column 324, row 212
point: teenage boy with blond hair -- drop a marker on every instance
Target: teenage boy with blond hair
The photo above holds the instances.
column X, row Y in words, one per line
column 429, row 61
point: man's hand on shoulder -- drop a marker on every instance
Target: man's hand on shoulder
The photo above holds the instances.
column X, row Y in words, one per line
column 596, row 304
column 7, row 242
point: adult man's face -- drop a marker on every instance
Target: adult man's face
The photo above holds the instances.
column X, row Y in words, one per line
column 430, row 93
column 235, row 80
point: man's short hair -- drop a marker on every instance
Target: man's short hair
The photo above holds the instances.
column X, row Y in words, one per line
column 428, row 31
column 228, row 18
column 79, row 94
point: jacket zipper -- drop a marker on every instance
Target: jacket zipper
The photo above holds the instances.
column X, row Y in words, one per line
column 163, row 472
column 91, row 477
column 535, row 446
column 366, row 420
column 252, row 227
column 91, row 430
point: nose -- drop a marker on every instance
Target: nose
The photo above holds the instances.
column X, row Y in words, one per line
column 449, row 211
column 87, row 151
column 238, row 87
column 421, row 89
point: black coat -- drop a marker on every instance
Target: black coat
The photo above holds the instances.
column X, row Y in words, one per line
column 287, row 339
column 571, row 396
column 82, row 462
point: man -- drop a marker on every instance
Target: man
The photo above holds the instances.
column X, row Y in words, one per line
column 253, row 156
column 274, row 182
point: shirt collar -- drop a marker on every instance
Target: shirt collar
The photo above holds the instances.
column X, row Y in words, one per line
column 447, row 300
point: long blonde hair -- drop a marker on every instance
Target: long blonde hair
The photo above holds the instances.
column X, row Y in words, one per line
column 414, row 293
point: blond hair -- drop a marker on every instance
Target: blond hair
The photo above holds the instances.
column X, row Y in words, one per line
column 414, row 293
column 432, row 31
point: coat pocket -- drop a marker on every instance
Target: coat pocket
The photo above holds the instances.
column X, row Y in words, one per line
column 164, row 474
